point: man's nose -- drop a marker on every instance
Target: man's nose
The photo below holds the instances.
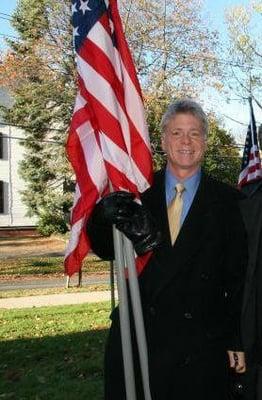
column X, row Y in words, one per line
column 186, row 138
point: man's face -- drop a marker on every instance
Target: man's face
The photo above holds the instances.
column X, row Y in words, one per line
column 184, row 143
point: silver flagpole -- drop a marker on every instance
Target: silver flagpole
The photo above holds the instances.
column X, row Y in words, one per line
column 112, row 285
column 138, row 315
column 124, row 316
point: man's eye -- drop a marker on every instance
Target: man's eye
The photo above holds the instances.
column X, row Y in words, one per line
column 195, row 134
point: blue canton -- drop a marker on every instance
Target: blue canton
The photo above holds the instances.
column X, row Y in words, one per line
column 251, row 140
column 85, row 15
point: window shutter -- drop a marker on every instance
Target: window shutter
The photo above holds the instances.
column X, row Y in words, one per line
column 1, row 146
column 1, row 197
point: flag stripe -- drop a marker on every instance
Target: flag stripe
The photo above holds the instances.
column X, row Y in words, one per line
column 125, row 164
column 251, row 163
column 109, row 124
column 100, row 36
column 101, row 93
column 123, row 48
column 108, row 137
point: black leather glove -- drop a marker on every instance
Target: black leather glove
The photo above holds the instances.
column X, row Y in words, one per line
column 133, row 219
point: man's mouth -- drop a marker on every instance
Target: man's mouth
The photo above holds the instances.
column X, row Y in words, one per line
column 186, row 152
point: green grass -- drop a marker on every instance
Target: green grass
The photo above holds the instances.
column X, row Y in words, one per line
column 53, row 352
column 5, row 294
column 47, row 265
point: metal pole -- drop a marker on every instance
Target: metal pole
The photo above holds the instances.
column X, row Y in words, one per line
column 138, row 315
column 124, row 317
column 112, row 285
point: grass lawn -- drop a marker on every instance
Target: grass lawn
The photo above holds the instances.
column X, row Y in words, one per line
column 53, row 352
column 47, row 265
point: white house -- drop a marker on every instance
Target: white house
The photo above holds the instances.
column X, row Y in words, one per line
column 12, row 210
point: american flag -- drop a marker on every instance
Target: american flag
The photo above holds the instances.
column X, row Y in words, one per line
column 108, row 139
column 251, row 163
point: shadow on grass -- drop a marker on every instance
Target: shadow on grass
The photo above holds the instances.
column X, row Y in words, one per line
column 16, row 241
column 41, row 263
column 68, row 367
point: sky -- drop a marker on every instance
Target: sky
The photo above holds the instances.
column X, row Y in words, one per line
column 236, row 110
column 6, row 7
column 215, row 10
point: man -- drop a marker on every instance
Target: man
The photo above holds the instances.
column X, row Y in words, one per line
column 191, row 288
column 251, row 208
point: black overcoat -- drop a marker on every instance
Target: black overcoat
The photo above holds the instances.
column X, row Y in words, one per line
column 191, row 297
column 251, row 209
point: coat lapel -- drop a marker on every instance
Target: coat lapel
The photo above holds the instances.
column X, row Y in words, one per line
column 188, row 241
column 251, row 211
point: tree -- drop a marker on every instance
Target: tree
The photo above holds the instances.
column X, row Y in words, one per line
column 174, row 51
column 222, row 159
column 171, row 43
column 245, row 51
column 39, row 71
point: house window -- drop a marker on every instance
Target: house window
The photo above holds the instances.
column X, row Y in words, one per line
column 1, row 197
column 1, row 145
column 68, row 186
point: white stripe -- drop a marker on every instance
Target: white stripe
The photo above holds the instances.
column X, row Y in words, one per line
column 253, row 162
column 77, row 196
column 135, row 107
column 99, row 36
column 134, row 104
column 254, row 175
column 120, row 159
column 257, row 173
column 79, row 103
column 93, row 157
column 74, row 236
column 103, row 92
column 245, row 174
column 254, row 148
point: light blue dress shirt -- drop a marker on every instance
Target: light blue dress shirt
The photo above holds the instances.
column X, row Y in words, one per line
column 191, row 185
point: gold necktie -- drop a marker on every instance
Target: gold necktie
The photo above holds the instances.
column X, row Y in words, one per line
column 174, row 212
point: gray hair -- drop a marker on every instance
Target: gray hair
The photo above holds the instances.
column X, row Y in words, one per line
column 185, row 106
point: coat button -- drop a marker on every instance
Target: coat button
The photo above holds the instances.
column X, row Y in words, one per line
column 186, row 361
column 205, row 277
column 188, row 315
column 152, row 311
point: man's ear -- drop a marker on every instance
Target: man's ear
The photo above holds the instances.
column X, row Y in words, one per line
column 205, row 143
column 163, row 143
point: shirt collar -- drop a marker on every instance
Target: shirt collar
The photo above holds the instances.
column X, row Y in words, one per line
column 191, row 183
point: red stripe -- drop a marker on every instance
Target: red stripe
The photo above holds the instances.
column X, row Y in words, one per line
column 100, row 62
column 79, row 118
column 119, row 180
column 105, row 22
column 253, row 155
column 142, row 261
column 254, row 168
column 104, row 120
column 108, row 124
column 77, row 159
column 138, row 148
column 84, row 207
column 122, row 46
column 95, row 57
column 73, row 261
